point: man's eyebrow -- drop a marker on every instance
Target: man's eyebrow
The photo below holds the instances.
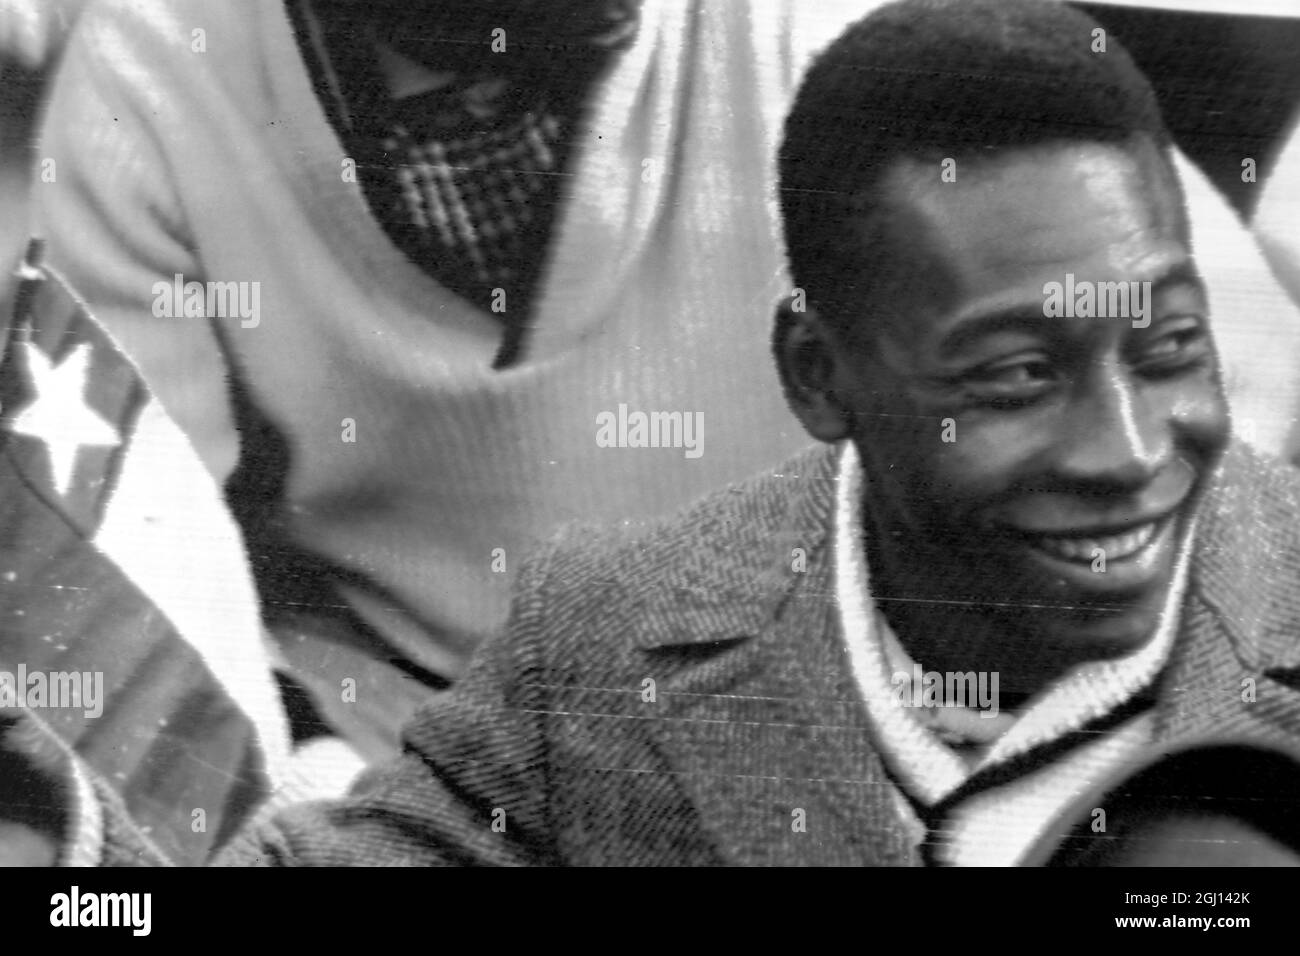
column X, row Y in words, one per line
column 1031, row 320
column 1184, row 273
column 1018, row 319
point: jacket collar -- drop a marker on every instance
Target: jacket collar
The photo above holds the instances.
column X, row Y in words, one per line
column 1237, row 660
column 748, row 557
column 757, row 702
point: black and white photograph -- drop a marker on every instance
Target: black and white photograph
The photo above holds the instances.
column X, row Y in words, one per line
column 651, row 433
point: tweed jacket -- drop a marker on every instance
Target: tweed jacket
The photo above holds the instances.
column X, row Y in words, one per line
column 673, row 696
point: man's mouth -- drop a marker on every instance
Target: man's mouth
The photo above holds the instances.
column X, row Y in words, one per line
column 1116, row 559
column 1086, row 547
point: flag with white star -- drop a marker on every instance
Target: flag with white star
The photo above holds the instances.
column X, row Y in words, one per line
column 118, row 556
column 64, row 408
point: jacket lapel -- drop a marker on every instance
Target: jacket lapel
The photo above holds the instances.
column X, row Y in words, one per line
column 764, row 726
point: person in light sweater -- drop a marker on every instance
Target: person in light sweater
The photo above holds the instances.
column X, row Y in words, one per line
column 474, row 232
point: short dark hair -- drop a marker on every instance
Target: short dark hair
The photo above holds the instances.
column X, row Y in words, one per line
column 931, row 79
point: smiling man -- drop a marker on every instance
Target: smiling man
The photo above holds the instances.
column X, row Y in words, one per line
column 1044, row 501
column 1030, row 480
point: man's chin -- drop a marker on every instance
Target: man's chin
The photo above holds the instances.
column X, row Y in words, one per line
column 1104, row 633
column 1044, row 629
column 1090, row 603
column 1031, row 649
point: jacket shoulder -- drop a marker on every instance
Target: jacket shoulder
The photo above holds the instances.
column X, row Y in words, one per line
column 596, row 597
column 1257, row 489
column 635, row 556
column 1247, row 553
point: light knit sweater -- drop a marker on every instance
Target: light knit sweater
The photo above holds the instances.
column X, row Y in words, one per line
column 220, row 165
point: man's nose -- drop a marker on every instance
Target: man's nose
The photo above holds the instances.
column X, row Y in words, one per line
column 1113, row 440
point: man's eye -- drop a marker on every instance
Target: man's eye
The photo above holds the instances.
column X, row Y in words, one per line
column 1184, row 346
column 1008, row 384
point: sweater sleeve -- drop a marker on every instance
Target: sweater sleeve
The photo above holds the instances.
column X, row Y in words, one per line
column 115, row 226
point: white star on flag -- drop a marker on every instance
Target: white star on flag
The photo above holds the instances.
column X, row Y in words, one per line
column 59, row 415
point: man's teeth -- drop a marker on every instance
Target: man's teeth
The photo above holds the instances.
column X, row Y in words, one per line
column 1114, row 547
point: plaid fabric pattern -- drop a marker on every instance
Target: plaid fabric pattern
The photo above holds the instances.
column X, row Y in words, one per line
column 466, row 184
column 476, row 210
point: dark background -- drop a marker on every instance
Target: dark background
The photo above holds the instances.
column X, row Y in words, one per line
column 1229, row 86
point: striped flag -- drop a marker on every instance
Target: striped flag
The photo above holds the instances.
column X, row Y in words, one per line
column 118, row 557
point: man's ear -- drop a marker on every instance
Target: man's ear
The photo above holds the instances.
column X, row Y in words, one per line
column 807, row 360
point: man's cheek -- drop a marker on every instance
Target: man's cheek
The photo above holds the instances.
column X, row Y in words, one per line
column 938, row 470
column 970, row 470
column 935, row 492
column 1199, row 411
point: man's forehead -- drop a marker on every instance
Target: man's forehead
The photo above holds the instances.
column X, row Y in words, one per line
column 1104, row 212
column 946, row 252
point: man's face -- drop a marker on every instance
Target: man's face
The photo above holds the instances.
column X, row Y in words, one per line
column 452, row 35
column 1075, row 446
